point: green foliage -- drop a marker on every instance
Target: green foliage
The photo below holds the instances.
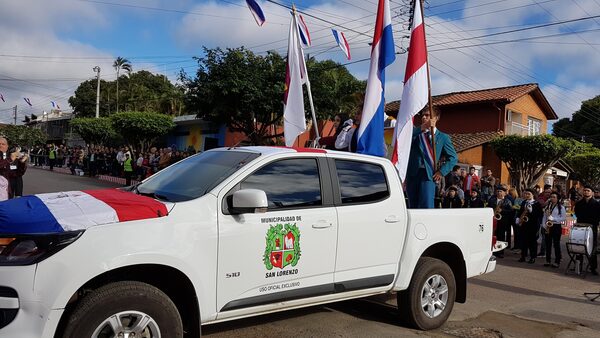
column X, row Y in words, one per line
column 93, row 130
column 140, row 91
column 245, row 90
column 334, row 89
column 584, row 124
column 585, row 164
column 528, row 158
column 141, row 128
column 23, row 135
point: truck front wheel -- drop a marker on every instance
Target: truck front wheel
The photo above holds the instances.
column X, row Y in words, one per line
column 125, row 309
column 428, row 301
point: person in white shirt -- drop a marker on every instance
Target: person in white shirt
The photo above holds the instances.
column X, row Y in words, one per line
column 346, row 139
column 554, row 215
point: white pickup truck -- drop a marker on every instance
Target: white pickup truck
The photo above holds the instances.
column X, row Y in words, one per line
column 248, row 231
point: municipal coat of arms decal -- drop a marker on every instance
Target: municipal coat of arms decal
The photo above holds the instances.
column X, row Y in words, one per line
column 282, row 247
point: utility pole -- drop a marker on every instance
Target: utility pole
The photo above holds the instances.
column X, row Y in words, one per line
column 97, row 70
column 15, row 113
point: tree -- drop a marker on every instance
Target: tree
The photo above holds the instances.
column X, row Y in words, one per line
column 585, row 164
column 121, row 63
column 144, row 91
column 334, row 88
column 586, row 167
column 84, row 100
column 238, row 88
column 584, row 124
column 141, row 128
column 245, row 91
column 93, row 130
column 528, row 158
column 23, row 135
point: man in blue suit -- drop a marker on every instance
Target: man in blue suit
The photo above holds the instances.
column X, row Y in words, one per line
column 421, row 176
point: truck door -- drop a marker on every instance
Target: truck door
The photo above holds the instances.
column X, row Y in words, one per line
column 372, row 222
column 289, row 251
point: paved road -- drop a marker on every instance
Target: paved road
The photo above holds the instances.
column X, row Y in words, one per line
column 37, row 181
column 517, row 300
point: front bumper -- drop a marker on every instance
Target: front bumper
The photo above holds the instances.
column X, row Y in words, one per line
column 33, row 319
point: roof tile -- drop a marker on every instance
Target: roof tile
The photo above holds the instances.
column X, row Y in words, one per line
column 463, row 142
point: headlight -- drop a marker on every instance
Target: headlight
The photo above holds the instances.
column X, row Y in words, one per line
column 31, row 249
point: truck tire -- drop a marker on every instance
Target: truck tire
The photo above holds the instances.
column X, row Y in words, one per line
column 429, row 299
column 125, row 307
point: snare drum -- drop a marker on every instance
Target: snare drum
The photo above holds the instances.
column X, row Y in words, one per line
column 580, row 240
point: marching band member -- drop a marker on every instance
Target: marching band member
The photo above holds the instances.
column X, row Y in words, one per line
column 529, row 219
column 503, row 212
column 554, row 215
column 587, row 210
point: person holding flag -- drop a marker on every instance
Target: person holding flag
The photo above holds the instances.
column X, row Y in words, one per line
column 417, row 150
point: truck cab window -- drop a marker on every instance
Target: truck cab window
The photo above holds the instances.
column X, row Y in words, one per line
column 288, row 183
column 361, row 182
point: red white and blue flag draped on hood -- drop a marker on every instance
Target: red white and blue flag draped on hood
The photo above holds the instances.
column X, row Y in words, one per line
column 370, row 133
column 75, row 210
column 416, row 92
column 294, row 120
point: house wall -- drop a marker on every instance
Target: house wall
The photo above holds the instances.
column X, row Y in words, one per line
column 473, row 156
column 527, row 107
column 473, row 118
column 485, row 157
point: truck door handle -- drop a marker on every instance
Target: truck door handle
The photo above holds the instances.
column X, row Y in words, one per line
column 321, row 225
column 392, row 219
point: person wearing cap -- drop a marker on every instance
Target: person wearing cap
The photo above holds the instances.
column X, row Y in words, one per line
column 530, row 226
column 587, row 210
column 452, row 201
column 420, row 174
column 474, row 201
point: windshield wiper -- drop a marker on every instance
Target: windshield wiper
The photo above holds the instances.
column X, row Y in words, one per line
column 153, row 195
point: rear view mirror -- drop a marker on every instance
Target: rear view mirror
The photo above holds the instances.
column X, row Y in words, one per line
column 249, row 201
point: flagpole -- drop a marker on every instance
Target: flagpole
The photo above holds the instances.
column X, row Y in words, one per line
column 310, row 98
column 430, row 100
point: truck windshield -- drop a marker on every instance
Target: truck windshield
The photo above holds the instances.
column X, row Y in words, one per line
column 194, row 176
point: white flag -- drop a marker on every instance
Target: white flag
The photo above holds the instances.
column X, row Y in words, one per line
column 294, row 121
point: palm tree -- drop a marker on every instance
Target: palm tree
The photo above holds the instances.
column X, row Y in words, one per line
column 120, row 63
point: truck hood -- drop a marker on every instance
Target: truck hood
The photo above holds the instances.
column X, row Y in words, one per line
column 75, row 210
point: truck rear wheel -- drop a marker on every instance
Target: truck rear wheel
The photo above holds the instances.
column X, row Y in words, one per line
column 428, row 301
column 125, row 309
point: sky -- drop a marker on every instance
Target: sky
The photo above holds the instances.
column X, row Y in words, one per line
column 48, row 47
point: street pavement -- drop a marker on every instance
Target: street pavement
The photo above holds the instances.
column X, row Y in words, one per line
column 516, row 300
column 37, row 181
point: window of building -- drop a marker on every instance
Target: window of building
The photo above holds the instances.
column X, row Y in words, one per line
column 361, row 182
column 288, row 183
column 534, row 126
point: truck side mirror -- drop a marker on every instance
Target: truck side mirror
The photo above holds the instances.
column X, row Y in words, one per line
column 249, row 201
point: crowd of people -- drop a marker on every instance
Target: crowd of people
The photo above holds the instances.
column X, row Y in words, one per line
column 114, row 161
column 531, row 222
